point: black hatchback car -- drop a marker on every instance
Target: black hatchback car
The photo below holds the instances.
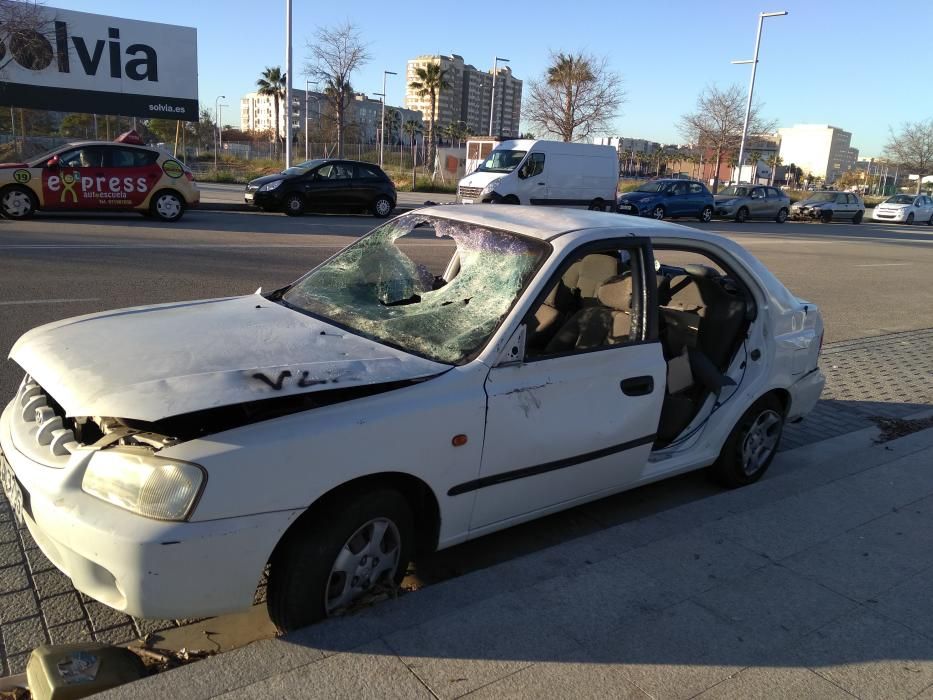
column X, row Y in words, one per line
column 325, row 186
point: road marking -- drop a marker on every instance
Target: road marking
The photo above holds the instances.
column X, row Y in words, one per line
column 48, row 301
column 885, row 265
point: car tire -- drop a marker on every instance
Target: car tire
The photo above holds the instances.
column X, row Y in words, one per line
column 910, row 219
column 826, row 216
column 18, row 203
column 313, row 568
column 658, row 212
column 510, row 199
column 781, row 216
column 167, row 206
column 930, row 222
column 597, row 205
column 741, row 216
column 382, row 207
column 706, row 215
column 294, row 204
column 857, row 219
column 752, row 444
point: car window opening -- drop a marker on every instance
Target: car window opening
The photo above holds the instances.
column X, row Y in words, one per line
column 375, row 288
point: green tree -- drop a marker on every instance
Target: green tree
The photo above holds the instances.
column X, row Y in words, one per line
column 912, row 148
column 272, row 83
column 774, row 162
column 77, row 125
column 429, row 81
column 577, row 96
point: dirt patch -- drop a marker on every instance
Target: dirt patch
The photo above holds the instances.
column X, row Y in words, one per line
column 893, row 428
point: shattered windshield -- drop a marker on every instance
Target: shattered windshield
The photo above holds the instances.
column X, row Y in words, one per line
column 375, row 288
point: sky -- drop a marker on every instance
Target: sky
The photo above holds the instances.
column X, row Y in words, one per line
column 859, row 65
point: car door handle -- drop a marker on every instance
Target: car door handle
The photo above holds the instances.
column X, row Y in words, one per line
column 637, row 386
column 541, row 184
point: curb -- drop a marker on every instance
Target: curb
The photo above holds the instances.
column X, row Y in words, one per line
column 235, row 206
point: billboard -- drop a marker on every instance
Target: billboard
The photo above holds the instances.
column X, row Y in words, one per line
column 81, row 62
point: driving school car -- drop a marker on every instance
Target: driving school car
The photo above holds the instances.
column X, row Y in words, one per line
column 328, row 431
column 122, row 175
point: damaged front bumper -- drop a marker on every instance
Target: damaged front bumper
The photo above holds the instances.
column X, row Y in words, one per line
column 139, row 566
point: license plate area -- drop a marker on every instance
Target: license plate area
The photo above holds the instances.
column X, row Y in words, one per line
column 626, row 207
column 12, row 489
column 466, row 201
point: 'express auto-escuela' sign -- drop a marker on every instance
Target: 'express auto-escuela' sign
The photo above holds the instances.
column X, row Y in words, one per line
column 82, row 62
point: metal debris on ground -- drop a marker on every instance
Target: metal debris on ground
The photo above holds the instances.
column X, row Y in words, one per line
column 892, row 428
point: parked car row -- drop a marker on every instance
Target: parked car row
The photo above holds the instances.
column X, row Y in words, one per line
column 672, row 197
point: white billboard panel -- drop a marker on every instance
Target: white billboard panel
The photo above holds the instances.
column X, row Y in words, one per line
column 82, row 62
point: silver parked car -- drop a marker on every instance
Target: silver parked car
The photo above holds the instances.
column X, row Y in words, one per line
column 742, row 202
column 830, row 206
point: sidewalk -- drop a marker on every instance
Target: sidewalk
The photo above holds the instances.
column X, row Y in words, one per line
column 815, row 582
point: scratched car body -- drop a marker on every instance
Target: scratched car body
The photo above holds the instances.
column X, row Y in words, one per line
column 164, row 456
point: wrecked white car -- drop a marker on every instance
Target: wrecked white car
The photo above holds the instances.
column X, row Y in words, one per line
column 163, row 456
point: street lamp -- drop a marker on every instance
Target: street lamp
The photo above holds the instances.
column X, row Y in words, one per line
column 288, row 83
column 217, row 116
column 382, row 131
column 751, row 86
column 492, row 99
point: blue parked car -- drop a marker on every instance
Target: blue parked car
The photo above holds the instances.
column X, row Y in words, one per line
column 661, row 199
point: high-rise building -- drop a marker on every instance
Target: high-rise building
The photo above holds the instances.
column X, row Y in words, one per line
column 819, row 149
column 257, row 113
column 468, row 98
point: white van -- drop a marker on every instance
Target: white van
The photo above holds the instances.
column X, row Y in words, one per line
column 526, row 171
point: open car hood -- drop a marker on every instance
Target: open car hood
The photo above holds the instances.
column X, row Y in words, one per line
column 153, row 362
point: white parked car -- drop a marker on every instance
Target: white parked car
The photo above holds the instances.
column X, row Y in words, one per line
column 163, row 456
column 905, row 208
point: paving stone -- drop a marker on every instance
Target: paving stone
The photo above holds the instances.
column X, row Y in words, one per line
column 51, row 583
column 23, row 635
column 150, row 626
column 869, row 656
column 8, row 534
column 62, row 608
column 13, row 578
column 71, row 632
column 765, row 683
column 116, row 635
column 553, row 679
column 910, row 603
column 104, row 617
column 16, row 663
column 479, row 644
column 372, row 671
column 38, row 562
column 10, row 555
column 17, row 605
column 775, row 603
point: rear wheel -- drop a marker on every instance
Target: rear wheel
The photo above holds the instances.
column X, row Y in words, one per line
column 657, row 212
column 17, row 202
column 910, row 219
column 857, row 219
column 167, row 206
column 354, row 547
column 597, row 205
column 741, row 216
column 382, row 207
column 294, row 204
column 930, row 222
column 781, row 216
column 751, row 445
column 706, row 215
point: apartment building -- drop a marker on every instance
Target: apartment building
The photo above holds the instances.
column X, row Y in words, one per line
column 257, row 113
column 820, row 149
column 469, row 96
column 627, row 145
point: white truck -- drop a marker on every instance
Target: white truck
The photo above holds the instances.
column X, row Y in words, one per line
column 527, row 171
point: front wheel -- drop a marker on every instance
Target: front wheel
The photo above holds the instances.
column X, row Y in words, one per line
column 17, row 202
column 294, row 205
column 751, row 445
column 741, row 216
column 827, row 216
column 167, row 206
column 354, row 547
column 706, row 215
column 781, row 216
column 910, row 219
column 383, row 207
column 657, row 212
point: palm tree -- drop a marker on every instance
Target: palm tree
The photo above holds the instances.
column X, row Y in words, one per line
column 272, row 83
column 774, row 162
column 412, row 128
column 430, row 80
column 393, row 122
column 569, row 74
column 753, row 159
column 734, row 163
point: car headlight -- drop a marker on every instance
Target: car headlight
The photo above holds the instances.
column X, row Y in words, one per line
column 491, row 186
column 269, row 186
column 140, row 482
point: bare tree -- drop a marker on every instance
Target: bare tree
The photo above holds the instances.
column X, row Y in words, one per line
column 912, row 148
column 26, row 33
column 576, row 96
column 717, row 122
column 335, row 54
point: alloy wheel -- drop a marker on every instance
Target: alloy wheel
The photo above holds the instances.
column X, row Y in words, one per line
column 370, row 556
column 760, row 441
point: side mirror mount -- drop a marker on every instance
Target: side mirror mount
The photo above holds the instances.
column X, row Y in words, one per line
column 513, row 352
column 52, row 163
